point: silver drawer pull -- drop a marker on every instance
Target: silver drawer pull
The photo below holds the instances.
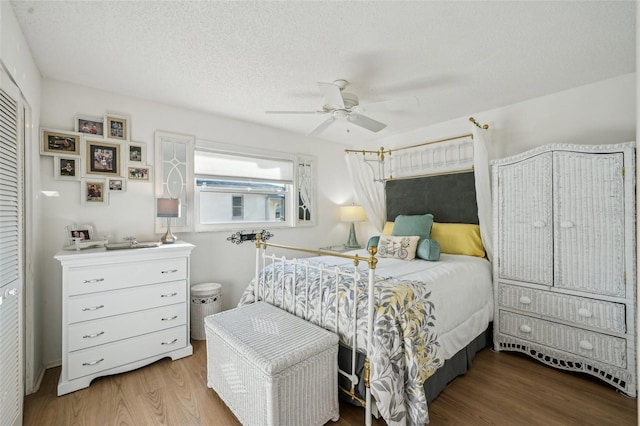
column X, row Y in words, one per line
column 539, row 224
column 91, row 336
column 94, row 280
column 169, row 319
column 566, row 224
column 93, row 308
column 169, row 271
column 524, row 300
column 525, row 328
column 170, row 343
column 169, row 294
column 93, row 362
column 584, row 344
column 584, row 312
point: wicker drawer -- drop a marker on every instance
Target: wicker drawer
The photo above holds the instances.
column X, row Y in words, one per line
column 106, row 330
column 90, row 279
column 608, row 316
column 100, row 358
column 592, row 345
column 99, row 305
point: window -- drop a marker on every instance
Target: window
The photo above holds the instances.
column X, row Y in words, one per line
column 227, row 187
column 237, row 211
column 234, row 189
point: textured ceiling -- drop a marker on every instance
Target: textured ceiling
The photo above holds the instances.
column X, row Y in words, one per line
column 239, row 59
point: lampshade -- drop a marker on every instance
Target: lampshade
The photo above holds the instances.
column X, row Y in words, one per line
column 168, row 207
column 352, row 214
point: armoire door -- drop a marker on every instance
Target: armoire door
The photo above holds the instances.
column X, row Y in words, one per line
column 588, row 193
column 525, row 220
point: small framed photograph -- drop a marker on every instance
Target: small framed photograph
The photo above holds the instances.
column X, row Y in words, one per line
column 83, row 232
column 117, row 127
column 66, row 167
column 59, row 142
column 103, row 157
column 117, row 185
column 93, row 191
column 137, row 154
column 139, row 173
column 89, row 125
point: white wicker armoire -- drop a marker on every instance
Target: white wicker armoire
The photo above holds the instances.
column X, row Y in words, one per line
column 564, row 275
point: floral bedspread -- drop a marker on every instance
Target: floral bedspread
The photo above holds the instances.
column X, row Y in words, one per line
column 404, row 349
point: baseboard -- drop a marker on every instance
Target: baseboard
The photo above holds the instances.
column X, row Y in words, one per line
column 37, row 382
column 53, row 364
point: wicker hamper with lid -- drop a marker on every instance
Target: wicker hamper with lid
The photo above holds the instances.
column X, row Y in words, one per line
column 206, row 299
column 271, row 367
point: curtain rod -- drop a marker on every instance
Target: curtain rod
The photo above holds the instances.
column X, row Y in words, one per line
column 382, row 151
column 473, row 120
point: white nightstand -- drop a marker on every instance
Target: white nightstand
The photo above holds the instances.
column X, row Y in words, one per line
column 341, row 248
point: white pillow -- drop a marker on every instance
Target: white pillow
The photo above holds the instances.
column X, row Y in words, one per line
column 398, row 247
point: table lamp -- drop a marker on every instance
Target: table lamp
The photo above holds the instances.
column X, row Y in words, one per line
column 169, row 208
column 352, row 214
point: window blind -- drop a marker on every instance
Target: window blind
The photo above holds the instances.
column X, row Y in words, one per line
column 242, row 166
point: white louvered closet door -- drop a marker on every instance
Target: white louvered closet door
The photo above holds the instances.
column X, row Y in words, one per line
column 11, row 257
column 589, row 241
column 525, row 220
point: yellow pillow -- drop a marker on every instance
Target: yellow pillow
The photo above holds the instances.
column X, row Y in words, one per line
column 458, row 238
column 388, row 228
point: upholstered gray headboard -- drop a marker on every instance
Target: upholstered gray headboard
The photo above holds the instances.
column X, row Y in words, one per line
column 450, row 198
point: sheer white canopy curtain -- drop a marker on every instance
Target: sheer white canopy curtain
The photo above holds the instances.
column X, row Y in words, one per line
column 482, row 174
column 369, row 189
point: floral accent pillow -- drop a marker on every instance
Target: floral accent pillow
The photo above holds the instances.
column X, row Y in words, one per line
column 398, row 247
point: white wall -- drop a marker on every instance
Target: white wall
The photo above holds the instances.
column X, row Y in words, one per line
column 602, row 112
column 132, row 213
column 16, row 59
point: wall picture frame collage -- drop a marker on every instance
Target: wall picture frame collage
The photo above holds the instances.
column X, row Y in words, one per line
column 98, row 153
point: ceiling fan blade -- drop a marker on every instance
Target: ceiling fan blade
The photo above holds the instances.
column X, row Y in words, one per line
column 322, row 126
column 332, row 95
column 295, row 112
column 366, row 122
column 404, row 104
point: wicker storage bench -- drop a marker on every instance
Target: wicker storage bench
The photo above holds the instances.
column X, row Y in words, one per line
column 271, row 367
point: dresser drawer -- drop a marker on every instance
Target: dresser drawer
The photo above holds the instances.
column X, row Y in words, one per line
column 106, row 330
column 592, row 345
column 608, row 316
column 90, row 279
column 100, row 358
column 99, row 305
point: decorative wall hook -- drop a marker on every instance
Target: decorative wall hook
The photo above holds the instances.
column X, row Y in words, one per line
column 241, row 236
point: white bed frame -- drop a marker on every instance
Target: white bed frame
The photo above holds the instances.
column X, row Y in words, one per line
column 263, row 259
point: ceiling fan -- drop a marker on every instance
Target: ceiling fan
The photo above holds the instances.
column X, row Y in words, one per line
column 341, row 105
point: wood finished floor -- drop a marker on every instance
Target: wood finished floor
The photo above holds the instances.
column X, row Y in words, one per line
column 500, row 389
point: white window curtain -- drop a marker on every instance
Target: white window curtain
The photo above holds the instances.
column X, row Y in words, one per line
column 369, row 189
column 483, row 187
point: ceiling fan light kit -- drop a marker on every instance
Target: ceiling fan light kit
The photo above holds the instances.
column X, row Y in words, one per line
column 346, row 106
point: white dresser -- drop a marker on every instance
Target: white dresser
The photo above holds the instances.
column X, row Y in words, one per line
column 564, row 275
column 121, row 310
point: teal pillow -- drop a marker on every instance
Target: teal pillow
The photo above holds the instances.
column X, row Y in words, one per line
column 420, row 225
column 373, row 242
column 428, row 249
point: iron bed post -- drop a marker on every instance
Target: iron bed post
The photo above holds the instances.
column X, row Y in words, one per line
column 256, row 286
column 370, row 311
